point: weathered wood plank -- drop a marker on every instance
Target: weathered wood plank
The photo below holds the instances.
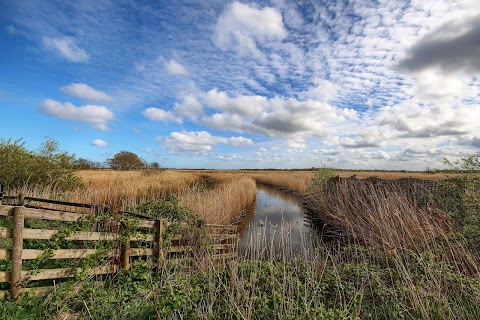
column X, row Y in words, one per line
column 3, row 294
column 5, row 254
column 57, row 273
column 180, row 249
column 60, row 253
column 5, row 233
column 147, row 224
column 44, row 234
column 135, row 252
column 43, row 214
column 65, row 203
column 30, row 254
column 6, row 211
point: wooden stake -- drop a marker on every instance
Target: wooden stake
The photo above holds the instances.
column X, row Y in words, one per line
column 17, row 251
column 159, row 243
column 125, row 252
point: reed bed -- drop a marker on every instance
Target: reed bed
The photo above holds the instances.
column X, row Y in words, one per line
column 221, row 204
column 298, row 181
column 377, row 215
column 216, row 197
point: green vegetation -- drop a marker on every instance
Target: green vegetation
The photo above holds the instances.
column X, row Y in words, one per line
column 322, row 176
column 460, row 197
column 125, row 160
column 350, row 282
column 20, row 167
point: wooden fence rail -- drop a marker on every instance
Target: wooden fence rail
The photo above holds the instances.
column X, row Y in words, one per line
column 146, row 242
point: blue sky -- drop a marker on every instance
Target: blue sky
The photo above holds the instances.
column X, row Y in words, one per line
column 267, row 84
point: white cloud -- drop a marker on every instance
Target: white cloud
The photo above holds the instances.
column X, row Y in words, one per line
column 433, row 84
column 199, row 142
column 242, row 27
column 97, row 116
column 276, row 116
column 99, row 143
column 239, row 141
column 175, row 68
column 224, row 121
column 190, row 107
column 85, row 92
column 66, row 47
column 289, row 117
column 329, row 152
column 241, row 105
column 157, row 114
column 324, row 90
column 229, row 157
column 296, row 144
column 411, row 120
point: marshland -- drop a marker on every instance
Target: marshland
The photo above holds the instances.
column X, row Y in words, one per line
column 310, row 248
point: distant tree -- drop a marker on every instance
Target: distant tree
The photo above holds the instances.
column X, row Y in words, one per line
column 125, row 160
column 154, row 165
column 84, row 164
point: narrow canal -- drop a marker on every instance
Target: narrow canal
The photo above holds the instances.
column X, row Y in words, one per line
column 276, row 226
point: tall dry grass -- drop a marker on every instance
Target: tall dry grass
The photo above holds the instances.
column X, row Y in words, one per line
column 216, row 197
column 378, row 216
column 298, row 181
column 221, row 204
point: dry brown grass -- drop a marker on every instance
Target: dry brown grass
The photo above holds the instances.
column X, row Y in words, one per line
column 392, row 175
column 107, row 186
column 298, row 181
column 378, row 216
column 222, row 203
column 215, row 196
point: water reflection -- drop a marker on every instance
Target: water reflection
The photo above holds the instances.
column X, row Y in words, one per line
column 277, row 224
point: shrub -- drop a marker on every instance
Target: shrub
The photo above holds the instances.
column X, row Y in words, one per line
column 49, row 166
column 321, row 177
column 461, row 196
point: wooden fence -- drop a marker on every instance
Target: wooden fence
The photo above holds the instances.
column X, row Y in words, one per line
column 149, row 240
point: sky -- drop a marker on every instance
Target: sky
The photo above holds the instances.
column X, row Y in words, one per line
column 229, row 85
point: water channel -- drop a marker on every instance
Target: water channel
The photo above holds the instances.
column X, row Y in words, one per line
column 277, row 225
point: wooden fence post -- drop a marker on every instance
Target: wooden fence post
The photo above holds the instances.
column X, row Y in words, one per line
column 21, row 199
column 17, row 251
column 159, row 243
column 125, row 251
